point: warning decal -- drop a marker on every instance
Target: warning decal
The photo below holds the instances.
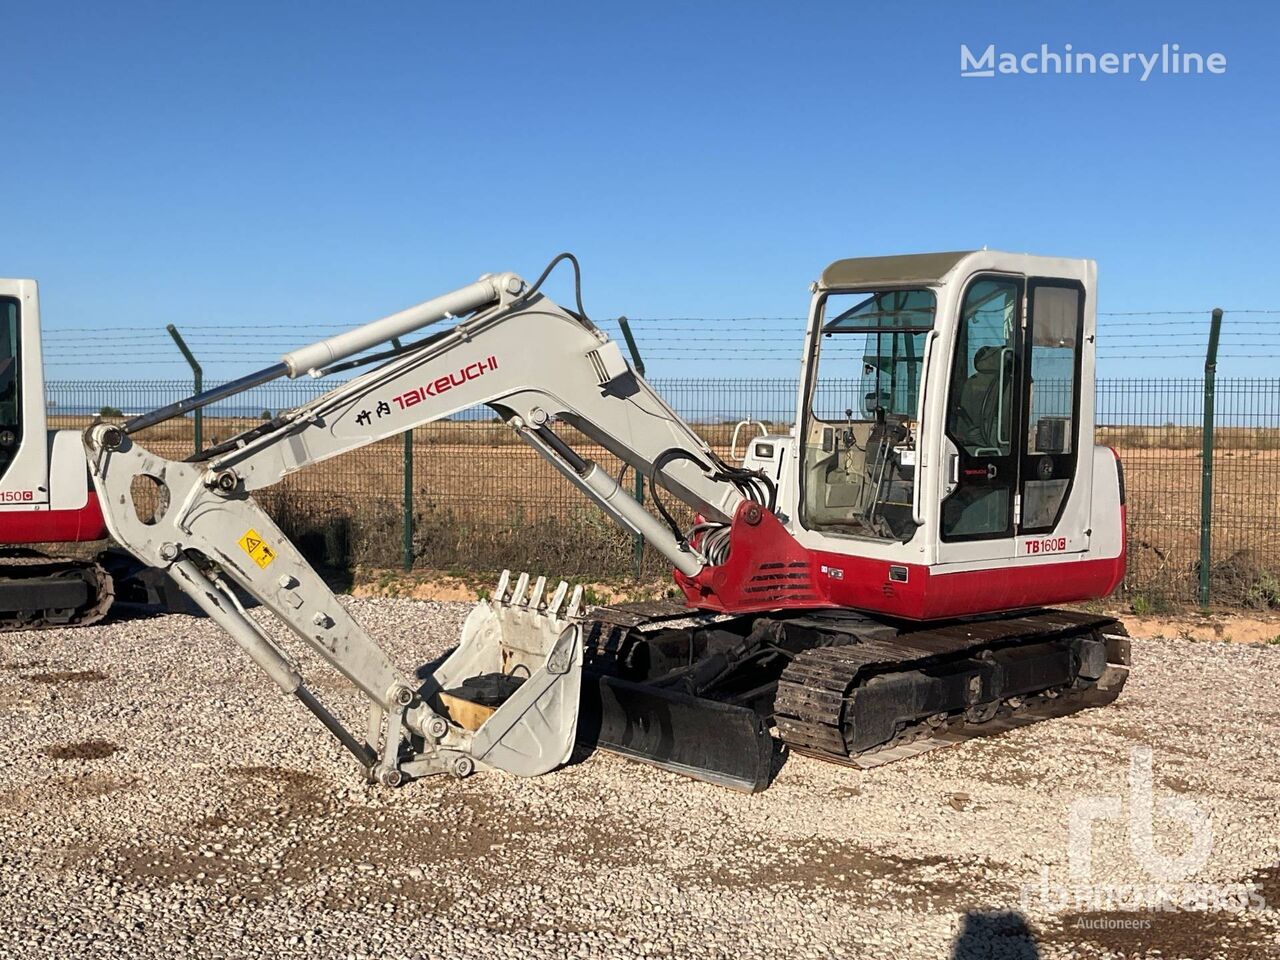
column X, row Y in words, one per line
column 253, row 544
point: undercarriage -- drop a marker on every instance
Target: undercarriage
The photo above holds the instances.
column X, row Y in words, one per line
column 39, row 591
column 705, row 694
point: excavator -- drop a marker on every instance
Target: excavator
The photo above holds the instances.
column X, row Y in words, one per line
column 878, row 581
column 45, row 494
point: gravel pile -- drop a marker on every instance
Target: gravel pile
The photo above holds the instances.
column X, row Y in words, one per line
column 158, row 797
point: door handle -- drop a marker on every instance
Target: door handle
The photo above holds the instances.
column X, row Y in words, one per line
column 1005, row 352
column 917, row 487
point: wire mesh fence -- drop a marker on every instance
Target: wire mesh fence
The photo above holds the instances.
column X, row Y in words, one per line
column 480, row 500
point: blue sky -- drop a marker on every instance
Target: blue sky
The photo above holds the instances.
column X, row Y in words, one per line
column 260, row 172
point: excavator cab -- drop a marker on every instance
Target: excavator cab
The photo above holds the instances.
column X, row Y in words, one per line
column 946, row 433
column 44, row 488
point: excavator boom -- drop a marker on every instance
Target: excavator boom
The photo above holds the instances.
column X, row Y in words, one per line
column 514, row 350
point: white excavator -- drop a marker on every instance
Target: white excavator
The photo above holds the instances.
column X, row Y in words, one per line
column 874, row 583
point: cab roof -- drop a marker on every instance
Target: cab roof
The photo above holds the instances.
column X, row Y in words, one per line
column 922, row 268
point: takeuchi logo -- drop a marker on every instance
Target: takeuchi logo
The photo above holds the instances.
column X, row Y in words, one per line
column 433, row 388
column 442, row 384
column 1169, row 60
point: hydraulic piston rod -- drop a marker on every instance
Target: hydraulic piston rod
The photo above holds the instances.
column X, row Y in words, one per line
column 611, row 496
column 185, row 406
column 487, row 290
column 464, row 300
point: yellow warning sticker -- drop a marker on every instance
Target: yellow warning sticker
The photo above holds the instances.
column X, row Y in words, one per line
column 253, row 544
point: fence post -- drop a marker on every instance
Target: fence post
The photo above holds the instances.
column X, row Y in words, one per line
column 638, row 362
column 198, row 376
column 1206, row 455
column 406, row 523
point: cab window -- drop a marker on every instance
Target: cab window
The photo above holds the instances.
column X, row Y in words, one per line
column 981, row 412
column 1056, row 328
column 859, row 452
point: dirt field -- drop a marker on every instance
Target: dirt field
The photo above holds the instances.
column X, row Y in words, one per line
column 484, row 501
column 158, row 798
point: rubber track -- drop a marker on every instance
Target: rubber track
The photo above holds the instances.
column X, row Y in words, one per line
column 813, row 690
column 24, row 565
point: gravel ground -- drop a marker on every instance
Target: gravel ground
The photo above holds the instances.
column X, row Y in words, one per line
column 158, row 798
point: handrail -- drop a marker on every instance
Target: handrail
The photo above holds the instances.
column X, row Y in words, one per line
column 733, row 441
column 917, row 513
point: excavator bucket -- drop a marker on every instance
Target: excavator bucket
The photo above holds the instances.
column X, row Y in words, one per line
column 515, row 679
column 504, row 641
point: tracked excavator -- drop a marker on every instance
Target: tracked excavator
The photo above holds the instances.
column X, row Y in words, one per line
column 45, row 494
column 877, row 581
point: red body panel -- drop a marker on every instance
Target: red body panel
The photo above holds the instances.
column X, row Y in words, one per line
column 54, row 526
column 768, row 570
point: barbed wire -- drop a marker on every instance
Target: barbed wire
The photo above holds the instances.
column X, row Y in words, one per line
column 237, row 349
column 762, row 354
column 798, row 318
column 698, row 345
column 228, row 344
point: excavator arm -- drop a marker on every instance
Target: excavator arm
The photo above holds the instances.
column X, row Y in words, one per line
column 536, row 364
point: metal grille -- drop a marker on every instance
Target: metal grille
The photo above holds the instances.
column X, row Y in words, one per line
column 481, row 500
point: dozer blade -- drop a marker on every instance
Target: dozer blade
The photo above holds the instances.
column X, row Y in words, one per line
column 717, row 742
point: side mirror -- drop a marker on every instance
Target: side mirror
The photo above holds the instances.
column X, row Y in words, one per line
column 875, row 401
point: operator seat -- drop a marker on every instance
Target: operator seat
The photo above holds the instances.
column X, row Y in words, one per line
column 973, row 510
column 980, row 397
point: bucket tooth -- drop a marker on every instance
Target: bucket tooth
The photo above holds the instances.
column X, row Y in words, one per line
column 535, row 598
column 557, row 599
column 504, row 581
column 522, row 586
column 575, row 603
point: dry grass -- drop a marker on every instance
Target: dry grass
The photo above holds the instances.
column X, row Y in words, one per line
column 1172, row 436
column 1164, row 491
column 483, row 501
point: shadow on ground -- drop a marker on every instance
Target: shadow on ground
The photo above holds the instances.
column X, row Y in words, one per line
column 1000, row 933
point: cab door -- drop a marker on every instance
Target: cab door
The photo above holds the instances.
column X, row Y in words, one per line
column 1054, row 482
column 1014, row 484
column 982, row 454
column 23, row 443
